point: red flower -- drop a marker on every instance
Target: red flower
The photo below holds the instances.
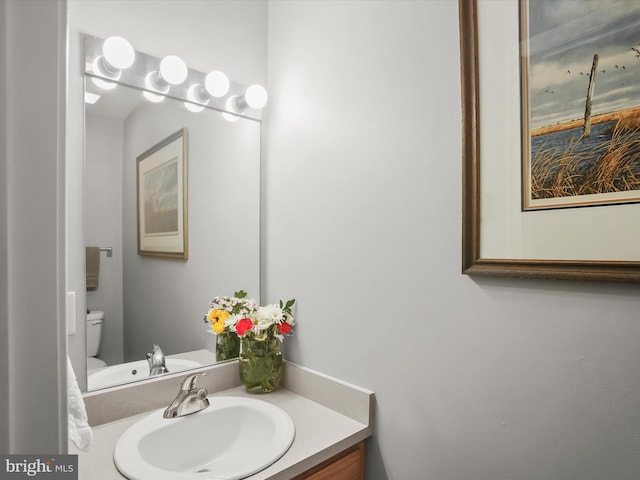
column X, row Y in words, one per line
column 283, row 328
column 243, row 326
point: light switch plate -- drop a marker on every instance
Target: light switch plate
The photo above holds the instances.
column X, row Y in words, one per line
column 71, row 313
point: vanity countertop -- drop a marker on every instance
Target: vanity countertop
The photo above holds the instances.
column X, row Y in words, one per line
column 329, row 416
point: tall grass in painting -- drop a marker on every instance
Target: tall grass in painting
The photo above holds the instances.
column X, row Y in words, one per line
column 607, row 167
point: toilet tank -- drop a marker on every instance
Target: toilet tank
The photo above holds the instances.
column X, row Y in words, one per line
column 94, row 331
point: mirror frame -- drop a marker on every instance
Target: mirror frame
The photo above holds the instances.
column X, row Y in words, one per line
column 472, row 262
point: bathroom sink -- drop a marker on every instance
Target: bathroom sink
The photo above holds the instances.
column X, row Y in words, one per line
column 132, row 371
column 231, row 439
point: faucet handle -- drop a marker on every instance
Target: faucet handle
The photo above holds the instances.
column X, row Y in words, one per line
column 202, row 394
column 191, row 382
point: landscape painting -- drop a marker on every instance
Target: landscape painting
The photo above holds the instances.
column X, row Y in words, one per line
column 162, row 198
column 580, row 67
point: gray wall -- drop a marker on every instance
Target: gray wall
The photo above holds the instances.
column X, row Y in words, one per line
column 103, row 226
column 4, row 239
column 165, row 299
column 33, row 359
column 161, row 305
column 475, row 378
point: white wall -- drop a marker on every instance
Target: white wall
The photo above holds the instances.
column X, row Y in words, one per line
column 475, row 378
column 103, row 226
column 33, row 359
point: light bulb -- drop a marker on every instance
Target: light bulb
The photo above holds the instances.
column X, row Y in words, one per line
column 196, row 95
column 229, row 117
column 217, row 84
column 91, row 98
column 118, row 52
column 151, row 84
column 173, row 70
column 153, row 87
column 102, row 68
column 103, row 84
column 152, row 97
column 193, row 108
column 230, row 105
column 256, row 96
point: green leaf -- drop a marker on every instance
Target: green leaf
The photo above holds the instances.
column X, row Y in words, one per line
column 287, row 307
column 240, row 294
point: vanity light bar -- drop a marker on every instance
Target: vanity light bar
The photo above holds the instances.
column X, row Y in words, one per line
column 172, row 78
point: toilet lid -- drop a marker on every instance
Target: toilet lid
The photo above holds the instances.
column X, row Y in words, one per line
column 95, row 315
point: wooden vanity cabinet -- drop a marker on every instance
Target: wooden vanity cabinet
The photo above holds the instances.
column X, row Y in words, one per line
column 346, row 465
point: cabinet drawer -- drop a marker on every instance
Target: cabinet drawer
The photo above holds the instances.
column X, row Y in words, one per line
column 347, row 465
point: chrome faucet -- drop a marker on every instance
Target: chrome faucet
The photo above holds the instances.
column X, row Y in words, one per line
column 156, row 362
column 190, row 398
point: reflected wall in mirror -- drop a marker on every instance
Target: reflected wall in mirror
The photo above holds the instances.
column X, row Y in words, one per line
column 148, row 300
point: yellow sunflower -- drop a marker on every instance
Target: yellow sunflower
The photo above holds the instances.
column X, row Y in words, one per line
column 217, row 319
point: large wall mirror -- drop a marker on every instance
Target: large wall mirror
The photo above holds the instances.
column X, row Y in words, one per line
column 150, row 300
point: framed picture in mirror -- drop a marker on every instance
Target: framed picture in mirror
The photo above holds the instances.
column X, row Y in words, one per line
column 162, row 198
column 501, row 234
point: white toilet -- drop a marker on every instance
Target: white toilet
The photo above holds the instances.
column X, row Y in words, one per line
column 94, row 331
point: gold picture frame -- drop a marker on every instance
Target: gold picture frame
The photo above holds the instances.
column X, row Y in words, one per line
column 162, row 193
column 473, row 223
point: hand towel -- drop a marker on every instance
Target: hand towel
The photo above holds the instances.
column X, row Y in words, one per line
column 80, row 432
column 92, row 267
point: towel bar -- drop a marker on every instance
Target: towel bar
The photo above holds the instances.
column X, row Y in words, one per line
column 109, row 251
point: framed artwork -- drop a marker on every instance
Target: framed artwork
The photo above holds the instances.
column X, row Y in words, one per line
column 513, row 223
column 581, row 103
column 162, row 198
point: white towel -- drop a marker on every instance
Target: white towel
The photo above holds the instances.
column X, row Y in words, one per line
column 80, row 432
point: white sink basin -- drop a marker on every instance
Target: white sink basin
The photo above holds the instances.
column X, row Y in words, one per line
column 231, row 439
column 132, row 372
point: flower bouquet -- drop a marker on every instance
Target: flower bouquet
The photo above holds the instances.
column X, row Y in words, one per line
column 223, row 314
column 260, row 330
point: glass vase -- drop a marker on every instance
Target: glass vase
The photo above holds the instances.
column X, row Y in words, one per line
column 260, row 364
column 227, row 346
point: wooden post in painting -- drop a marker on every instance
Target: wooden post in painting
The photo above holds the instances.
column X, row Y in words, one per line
column 586, row 131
